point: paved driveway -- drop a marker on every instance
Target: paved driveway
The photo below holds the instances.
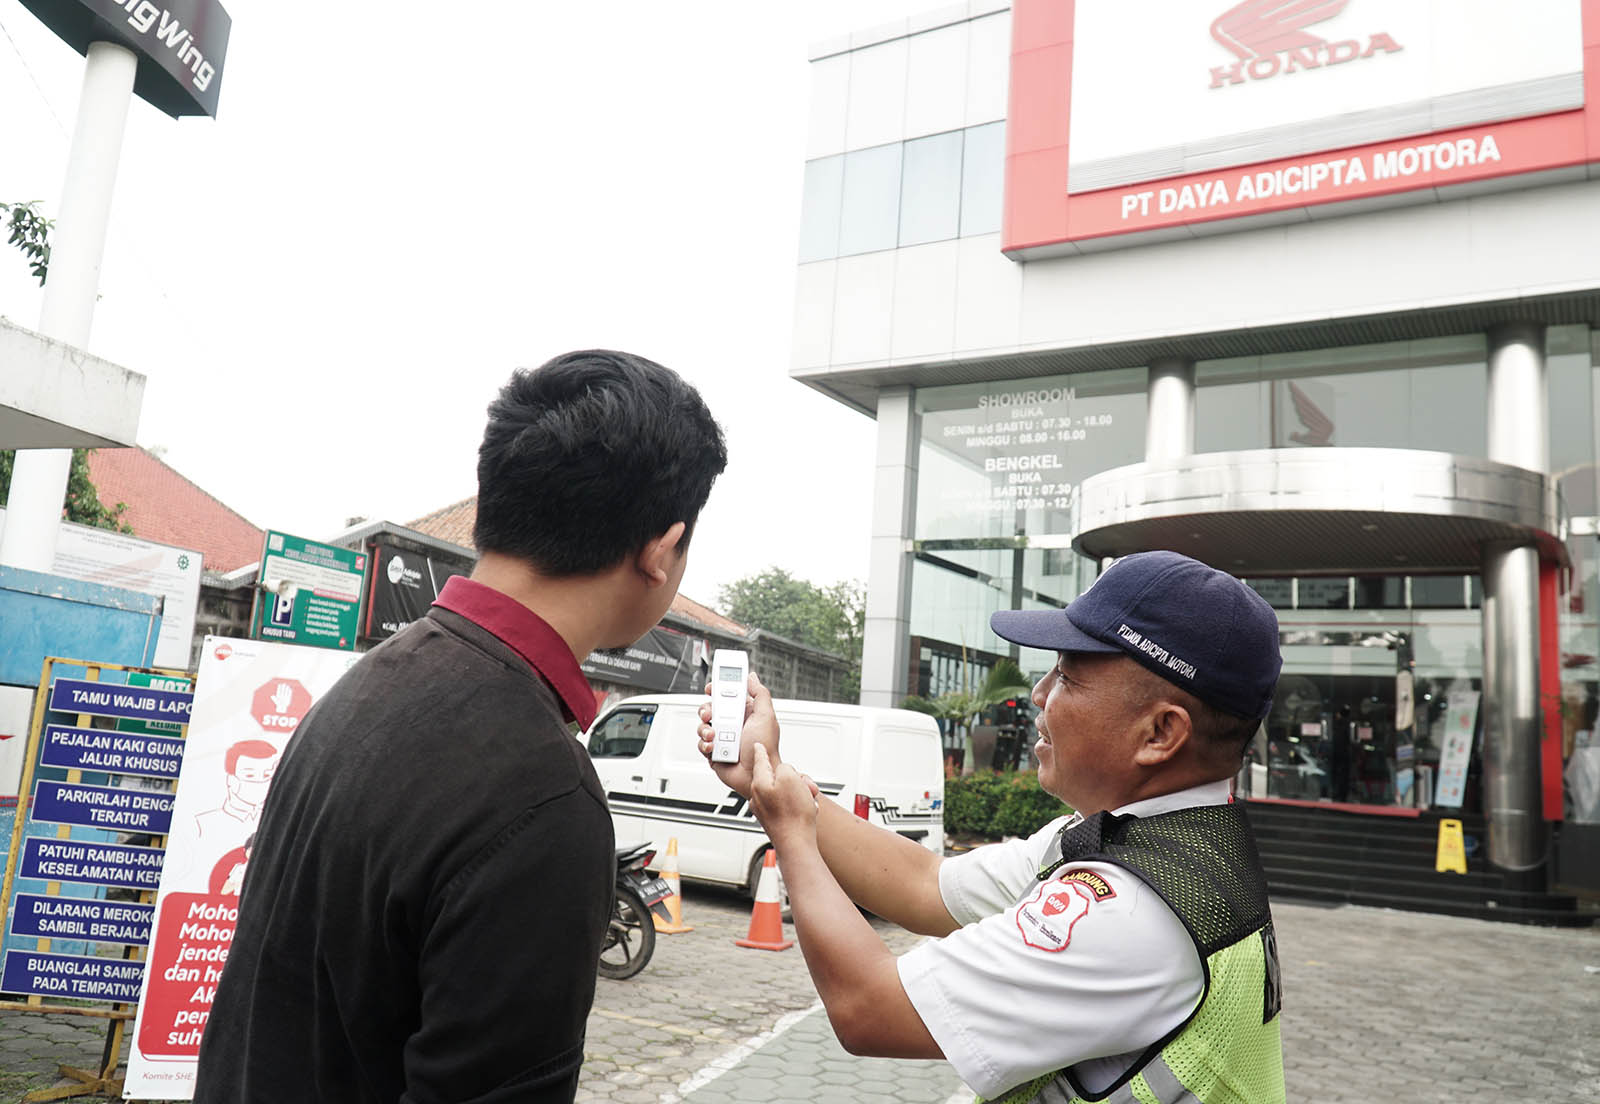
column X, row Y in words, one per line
column 1378, row 1006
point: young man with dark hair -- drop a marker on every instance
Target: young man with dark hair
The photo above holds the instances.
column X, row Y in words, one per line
column 433, row 874
column 1124, row 952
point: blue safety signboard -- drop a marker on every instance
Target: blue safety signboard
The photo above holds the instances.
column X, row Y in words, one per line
column 84, row 977
column 107, row 699
column 106, row 864
column 103, row 807
column 99, row 749
column 81, row 918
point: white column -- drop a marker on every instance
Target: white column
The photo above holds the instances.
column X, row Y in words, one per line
column 887, row 631
column 39, row 477
column 1169, row 421
column 1518, row 434
column 1519, row 403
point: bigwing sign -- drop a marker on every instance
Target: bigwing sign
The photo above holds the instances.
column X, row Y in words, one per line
column 1135, row 117
column 180, row 44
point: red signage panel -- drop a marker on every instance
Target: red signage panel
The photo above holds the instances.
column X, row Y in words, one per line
column 1361, row 172
column 1039, row 212
column 192, row 943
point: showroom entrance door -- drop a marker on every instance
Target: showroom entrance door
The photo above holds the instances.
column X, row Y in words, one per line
column 1354, row 722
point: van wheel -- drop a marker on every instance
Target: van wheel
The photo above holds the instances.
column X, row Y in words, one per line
column 755, row 880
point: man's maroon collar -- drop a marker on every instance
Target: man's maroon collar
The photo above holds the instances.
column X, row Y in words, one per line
column 527, row 634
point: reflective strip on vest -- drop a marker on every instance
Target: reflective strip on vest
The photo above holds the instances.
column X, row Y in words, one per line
column 1055, row 1089
column 1123, row 1095
column 1165, row 1084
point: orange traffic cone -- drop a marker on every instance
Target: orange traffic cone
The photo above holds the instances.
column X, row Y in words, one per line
column 669, row 874
column 766, row 919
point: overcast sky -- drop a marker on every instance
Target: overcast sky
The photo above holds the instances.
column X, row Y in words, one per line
column 399, row 203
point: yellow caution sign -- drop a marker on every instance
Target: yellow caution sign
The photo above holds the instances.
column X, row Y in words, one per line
column 1452, row 854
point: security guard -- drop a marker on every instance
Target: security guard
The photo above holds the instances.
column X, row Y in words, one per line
column 1124, row 952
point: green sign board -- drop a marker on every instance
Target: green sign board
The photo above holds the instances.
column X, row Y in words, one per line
column 310, row 592
column 158, row 682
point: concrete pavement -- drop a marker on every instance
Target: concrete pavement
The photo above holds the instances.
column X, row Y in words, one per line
column 1378, row 1006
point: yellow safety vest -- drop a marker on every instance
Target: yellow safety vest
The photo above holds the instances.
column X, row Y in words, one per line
column 1203, row 863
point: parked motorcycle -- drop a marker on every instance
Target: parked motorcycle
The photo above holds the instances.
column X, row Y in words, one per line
column 631, row 936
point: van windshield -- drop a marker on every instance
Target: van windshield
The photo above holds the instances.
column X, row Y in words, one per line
column 622, row 733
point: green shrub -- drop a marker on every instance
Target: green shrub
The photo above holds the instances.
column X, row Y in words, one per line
column 1025, row 807
column 990, row 805
column 970, row 803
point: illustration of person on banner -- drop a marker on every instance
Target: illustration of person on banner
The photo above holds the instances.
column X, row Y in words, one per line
column 248, row 769
column 227, row 877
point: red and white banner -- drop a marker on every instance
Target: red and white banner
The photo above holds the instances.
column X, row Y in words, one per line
column 1252, row 108
column 250, row 696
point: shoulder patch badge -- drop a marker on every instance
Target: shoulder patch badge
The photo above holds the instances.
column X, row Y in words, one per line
column 1047, row 918
column 1102, row 888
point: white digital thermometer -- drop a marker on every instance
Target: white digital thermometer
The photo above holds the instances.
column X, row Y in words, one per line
column 730, row 683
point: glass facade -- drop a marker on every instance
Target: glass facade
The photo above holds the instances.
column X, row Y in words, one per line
column 996, row 462
column 1002, row 459
column 927, row 189
column 1370, row 592
column 1570, row 374
column 955, row 591
column 930, row 189
column 1383, row 674
column 982, row 180
column 869, row 206
column 1428, row 395
column 1364, row 703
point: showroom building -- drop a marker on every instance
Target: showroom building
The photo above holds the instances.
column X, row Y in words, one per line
column 1311, row 297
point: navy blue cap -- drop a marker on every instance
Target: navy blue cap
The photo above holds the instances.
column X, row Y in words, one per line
column 1197, row 627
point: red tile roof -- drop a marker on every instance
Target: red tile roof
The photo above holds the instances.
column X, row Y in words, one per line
column 694, row 611
column 454, row 523
column 165, row 507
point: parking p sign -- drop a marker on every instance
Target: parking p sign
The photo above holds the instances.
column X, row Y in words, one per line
column 310, row 592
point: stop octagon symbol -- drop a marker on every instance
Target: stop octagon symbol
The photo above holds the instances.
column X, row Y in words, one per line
column 279, row 705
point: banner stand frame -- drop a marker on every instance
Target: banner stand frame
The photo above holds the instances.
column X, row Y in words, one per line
column 89, row 1082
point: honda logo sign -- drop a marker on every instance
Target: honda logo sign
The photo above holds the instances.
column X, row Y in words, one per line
column 1270, row 37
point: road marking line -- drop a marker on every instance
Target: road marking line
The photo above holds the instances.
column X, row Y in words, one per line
column 725, row 1062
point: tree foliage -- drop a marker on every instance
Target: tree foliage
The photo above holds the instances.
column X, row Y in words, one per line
column 29, row 231
column 831, row 618
column 83, row 505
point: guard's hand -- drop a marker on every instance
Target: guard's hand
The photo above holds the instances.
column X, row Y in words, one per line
column 760, row 727
column 784, row 800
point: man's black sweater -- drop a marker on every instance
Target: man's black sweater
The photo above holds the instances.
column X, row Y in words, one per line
column 427, row 892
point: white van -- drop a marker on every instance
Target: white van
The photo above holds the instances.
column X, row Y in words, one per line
column 886, row 765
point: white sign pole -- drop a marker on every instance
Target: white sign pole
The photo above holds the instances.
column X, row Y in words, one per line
column 39, row 476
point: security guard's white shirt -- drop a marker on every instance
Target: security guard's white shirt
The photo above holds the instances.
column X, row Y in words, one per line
column 1082, row 971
